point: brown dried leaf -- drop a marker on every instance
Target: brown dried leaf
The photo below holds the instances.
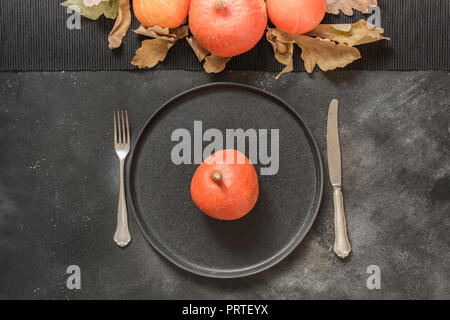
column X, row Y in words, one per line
column 354, row 34
column 158, row 32
column 325, row 53
column 180, row 32
column 155, row 50
column 213, row 63
column 347, row 6
column 154, row 32
column 199, row 51
column 283, row 50
column 121, row 25
column 151, row 53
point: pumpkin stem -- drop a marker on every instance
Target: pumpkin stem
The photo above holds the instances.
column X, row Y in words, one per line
column 221, row 4
column 216, row 176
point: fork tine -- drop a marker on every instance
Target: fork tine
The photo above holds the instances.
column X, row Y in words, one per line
column 119, row 125
column 123, row 127
column 128, row 128
column 115, row 128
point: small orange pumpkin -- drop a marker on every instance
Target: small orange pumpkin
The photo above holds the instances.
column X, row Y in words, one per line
column 225, row 186
column 163, row 13
column 296, row 16
column 227, row 28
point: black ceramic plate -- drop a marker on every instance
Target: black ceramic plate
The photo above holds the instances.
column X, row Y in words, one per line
column 159, row 190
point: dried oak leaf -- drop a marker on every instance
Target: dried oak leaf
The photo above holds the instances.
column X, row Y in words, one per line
column 213, row 63
column 107, row 8
column 158, row 32
column 153, row 32
column 199, row 51
column 90, row 3
column 354, row 34
column 155, row 50
column 325, row 53
column 283, row 50
column 347, row 6
column 151, row 53
column 121, row 25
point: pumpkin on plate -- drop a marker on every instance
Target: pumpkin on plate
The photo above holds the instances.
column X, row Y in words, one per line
column 227, row 28
column 163, row 13
column 225, row 186
column 296, row 16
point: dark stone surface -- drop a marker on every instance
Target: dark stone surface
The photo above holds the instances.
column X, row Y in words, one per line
column 59, row 186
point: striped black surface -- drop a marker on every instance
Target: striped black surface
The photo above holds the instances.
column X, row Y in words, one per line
column 34, row 36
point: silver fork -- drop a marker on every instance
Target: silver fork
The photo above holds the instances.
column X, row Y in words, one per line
column 122, row 145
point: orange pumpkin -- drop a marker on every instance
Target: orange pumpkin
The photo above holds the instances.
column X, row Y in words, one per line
column 227, row 28
column 225, row 186
column 163, row 13
column 296, row 16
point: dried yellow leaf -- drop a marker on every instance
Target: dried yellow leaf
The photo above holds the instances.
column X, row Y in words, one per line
column 354, row 34
column 108, row 8
column 347, row 6
column 121, row 25
column 90, row 3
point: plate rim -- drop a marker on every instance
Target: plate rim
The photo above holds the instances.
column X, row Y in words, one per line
column 232, row 273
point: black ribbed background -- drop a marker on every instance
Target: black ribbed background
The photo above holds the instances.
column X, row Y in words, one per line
column 34, row 36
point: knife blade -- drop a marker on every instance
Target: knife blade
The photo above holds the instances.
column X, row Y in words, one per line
column 333, row 147
column 342, row 246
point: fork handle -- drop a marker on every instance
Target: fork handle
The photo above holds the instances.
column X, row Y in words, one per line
column 122, row 236
column 341, row 244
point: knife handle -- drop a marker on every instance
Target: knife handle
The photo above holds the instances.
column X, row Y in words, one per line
column 341, row 244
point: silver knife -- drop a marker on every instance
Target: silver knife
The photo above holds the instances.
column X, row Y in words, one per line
column 341, row 244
